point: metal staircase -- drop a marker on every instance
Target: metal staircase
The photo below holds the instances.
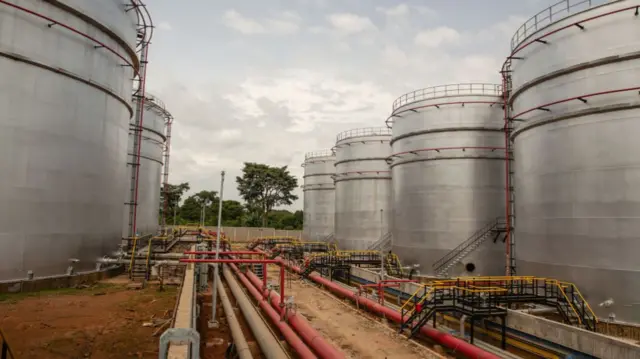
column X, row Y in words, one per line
column 382, row 244
column 343, row 260
column 257, row 270
column 492, row 229
column 479, row 297
column 139, row 269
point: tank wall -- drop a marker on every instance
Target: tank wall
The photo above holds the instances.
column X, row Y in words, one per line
column 150, row 176
column 577, row 176
column 442, row 197
column 319, row 198
column 62, row 143
column 363, row 191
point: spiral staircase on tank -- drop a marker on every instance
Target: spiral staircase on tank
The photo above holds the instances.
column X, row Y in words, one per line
column 493, row 229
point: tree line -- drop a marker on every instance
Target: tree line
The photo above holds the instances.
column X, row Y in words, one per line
column 262, row 187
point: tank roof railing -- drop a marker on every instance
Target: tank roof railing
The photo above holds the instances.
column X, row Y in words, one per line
column 548, row 16
column 320, row 153
column 447, row 90
column 365, row 131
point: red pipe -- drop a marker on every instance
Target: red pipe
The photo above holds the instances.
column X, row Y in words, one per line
column 310, row 336
column 449, row 341
column 264, row 262
column 289, row 335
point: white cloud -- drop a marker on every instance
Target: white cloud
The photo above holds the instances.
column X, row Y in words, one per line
column 165, row 26
column 283, row 23
column 348, row 23
column 405, row 9
column 432, row 38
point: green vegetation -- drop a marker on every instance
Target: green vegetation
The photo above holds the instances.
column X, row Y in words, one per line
column 262, row 187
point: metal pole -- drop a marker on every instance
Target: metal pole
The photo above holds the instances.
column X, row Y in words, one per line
column 175, row 211
column 213, row 323
column 380, row 249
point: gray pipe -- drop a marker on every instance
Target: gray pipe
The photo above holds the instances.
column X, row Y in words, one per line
column 236, row 332
column 269, row 345
column 127, row 261
column 463, row 319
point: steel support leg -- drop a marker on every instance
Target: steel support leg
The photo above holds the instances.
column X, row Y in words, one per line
column 472, row 321
column 504, row 333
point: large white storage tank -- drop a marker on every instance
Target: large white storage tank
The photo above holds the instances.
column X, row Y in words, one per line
column 448, row 175
column 363, row 187
column 66, row 104
column 155, row 119
column 576, row 79
column 319, row 195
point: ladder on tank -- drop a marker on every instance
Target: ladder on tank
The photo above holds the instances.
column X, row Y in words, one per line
column 493, row 229
column 507, row 86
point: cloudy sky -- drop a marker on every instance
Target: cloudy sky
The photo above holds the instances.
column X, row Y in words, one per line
column 269, row 80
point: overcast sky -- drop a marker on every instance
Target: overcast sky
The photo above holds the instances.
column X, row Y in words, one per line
column 269, row 80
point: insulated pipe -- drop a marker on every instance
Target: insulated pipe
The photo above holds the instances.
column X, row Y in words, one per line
column 269, row 345
column 309, row 334
column 290, row 336
column 242, row 347
column 449, row 341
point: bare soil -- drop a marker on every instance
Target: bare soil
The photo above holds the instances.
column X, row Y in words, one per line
column 103, row 321
column 356, row 333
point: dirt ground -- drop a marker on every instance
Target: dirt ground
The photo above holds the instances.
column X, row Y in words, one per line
column 357, row 334
column 106, row 320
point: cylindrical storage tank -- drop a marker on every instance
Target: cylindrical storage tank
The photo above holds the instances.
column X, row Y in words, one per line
column 575, row 99
column 448, row 175
column 363, row 187
column 155, row 119
column 66, row 100
column 319, row 195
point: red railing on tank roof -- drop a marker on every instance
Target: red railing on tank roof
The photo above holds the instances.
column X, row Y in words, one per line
column 447, row 90
column 548, row 16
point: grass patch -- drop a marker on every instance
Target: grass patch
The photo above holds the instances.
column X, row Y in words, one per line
column 98, row 288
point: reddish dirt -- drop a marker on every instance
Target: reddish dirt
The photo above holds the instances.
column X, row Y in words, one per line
column 357, row 334
column 104, row 321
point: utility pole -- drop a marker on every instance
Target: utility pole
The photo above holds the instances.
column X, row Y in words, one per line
column 214, row 290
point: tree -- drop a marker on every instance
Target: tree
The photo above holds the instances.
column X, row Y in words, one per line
column 232, row 213
column 191, row 209
column 174, row 193
column 264, row 187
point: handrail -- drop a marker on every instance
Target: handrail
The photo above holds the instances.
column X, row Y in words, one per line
column 366, row 131
column 447, row 90
column 548, row 16
column 569, row 302
column 320, row 153
column 146, row 273
column 415, row 294
column 5, row 348
column 474, row 237
column 577, row 291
